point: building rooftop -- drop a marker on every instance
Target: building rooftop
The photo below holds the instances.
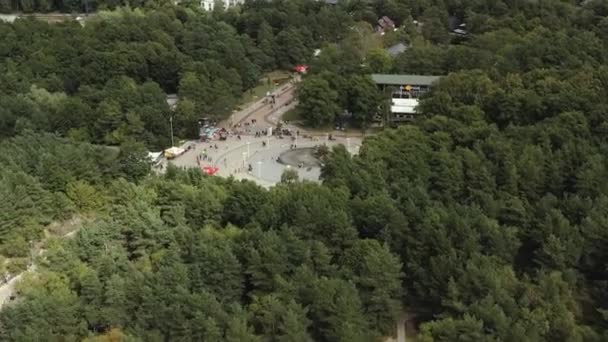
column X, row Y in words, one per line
column 404, row 79
column 386, row 23
column 454, row 22
column 396, row 49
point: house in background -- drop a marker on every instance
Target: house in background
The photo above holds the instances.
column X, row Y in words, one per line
column 209, row 5
column 457, row 27
column 385, row 24
column 397, row 49
column 404, row 92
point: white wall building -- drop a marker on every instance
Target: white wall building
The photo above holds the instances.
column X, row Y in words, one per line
column 404, row 106
column 208, row 5
column 405, row 91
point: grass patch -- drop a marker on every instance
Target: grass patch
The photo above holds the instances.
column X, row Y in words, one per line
column 279, row 75
column 266, row 84
column 256, row 93
column 292, row 115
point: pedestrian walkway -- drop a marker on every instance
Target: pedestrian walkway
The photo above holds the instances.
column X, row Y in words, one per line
column 259, row 109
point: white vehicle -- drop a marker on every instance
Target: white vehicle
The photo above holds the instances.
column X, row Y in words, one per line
column 174, row 152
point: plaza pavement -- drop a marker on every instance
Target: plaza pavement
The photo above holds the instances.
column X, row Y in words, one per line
column 234, row 156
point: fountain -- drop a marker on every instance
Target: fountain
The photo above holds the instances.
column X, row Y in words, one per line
column 300, row 157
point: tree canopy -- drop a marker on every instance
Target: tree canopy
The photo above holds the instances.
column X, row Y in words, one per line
column 485, row 220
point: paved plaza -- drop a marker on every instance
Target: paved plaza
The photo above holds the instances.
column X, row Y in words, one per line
column 244, row 148
column 234, row 156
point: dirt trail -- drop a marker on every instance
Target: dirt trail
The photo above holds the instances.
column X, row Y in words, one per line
column 6, row 290
column 72, row 226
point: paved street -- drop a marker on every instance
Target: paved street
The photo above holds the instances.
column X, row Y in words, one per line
column 261, row 108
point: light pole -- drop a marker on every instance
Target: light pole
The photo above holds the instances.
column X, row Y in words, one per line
column 388, row 93
column 259, row 169
column 171, row 124
column 31, row 253
column 244, row 159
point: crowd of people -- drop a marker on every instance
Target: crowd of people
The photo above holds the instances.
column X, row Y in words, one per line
column 204, row 156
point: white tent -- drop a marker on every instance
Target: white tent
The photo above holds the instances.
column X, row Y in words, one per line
column 155, row 156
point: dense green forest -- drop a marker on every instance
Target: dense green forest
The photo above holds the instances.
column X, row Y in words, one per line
column 69, row 6
column 106, row 82
column 487, row 219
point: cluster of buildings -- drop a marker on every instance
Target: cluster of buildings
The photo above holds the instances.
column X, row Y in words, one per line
column 209, row 5
column 404, row 90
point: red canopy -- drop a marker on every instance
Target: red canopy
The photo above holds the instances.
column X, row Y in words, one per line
column 301, row 68
column 210, row 170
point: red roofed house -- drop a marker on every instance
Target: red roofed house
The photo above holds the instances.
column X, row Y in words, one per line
column 385, row 24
